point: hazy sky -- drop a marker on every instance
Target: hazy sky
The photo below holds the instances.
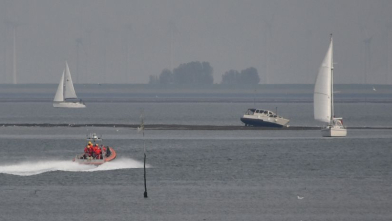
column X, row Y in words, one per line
column 125, row 41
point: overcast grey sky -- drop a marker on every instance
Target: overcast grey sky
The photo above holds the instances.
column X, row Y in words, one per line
column 125, row 41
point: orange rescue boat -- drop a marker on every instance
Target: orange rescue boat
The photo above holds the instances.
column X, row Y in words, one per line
column 107, row 153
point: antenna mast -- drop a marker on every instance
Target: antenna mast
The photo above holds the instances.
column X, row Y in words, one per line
column 14, row 55
column 141, row 128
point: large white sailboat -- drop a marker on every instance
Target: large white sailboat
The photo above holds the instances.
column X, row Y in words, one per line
column 323, row 98
column 66, row 95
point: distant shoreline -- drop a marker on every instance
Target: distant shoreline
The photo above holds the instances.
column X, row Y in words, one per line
column 217, row 93
column 258, row 101
column 178, row 126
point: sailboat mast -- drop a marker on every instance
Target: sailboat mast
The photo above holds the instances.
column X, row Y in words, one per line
column 332, row 112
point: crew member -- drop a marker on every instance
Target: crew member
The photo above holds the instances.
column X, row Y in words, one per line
column 95, row 151
column 98, row 152
column 88, row 150
column 104, row 150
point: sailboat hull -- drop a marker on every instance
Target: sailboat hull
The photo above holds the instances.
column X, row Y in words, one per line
column 334, row 132
column 69, row 105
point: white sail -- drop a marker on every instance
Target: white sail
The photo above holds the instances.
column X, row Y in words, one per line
column 59, row 93
column 322, row 89
column 69, row 88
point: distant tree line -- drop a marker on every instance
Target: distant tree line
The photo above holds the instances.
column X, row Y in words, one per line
column 247, row 76
column 201, row 73
column 194, row 72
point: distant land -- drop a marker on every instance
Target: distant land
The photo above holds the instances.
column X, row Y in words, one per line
column 196, row 93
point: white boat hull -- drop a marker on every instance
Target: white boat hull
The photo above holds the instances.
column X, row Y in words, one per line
column 69, row 105
column 334, row 132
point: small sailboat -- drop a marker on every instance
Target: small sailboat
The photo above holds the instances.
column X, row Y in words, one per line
column 323, row 98
column 66, row 95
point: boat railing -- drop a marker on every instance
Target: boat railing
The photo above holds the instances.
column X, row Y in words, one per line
column 94, row 137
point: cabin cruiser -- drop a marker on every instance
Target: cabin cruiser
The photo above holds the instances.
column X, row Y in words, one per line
column 104, row 155
column 263, row 118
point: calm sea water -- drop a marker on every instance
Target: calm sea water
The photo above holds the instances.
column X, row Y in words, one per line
column 300, row 114
column 195, row 175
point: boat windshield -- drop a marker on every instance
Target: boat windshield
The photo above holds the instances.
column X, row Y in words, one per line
column 93, row 137
column 338, row 122
column 250, row 112
column 263, row 112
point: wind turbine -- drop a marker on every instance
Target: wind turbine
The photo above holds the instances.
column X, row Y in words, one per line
column 13, row 25
column 268, row 36
column 389, row 28
column 366, row 51
column 106, row 37
column 79, row 41
column 173, row 30
column 367, row 42
column 88, row 33
column 128, row 29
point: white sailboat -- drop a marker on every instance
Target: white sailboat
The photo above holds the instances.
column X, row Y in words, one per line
column 323, row 99
column 66, row 91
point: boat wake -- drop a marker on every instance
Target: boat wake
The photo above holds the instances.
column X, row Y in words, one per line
column 35, row 168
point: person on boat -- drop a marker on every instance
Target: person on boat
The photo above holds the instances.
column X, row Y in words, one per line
column 98, row 152
column 104, row 151
column 87, row 151
column 108, row 151
column 91, row 150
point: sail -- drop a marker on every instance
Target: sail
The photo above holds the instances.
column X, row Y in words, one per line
column 59, row 93
column 322, row 89
column 69, row 88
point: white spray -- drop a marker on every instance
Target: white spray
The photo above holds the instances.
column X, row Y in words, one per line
column 34, row 168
